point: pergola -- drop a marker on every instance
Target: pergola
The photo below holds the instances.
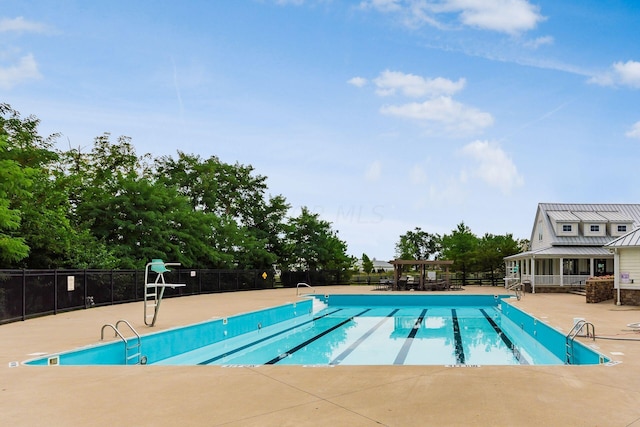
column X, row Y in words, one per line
column 423, row 263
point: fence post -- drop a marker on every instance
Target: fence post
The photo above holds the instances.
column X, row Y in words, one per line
column 24, row 294
column 84, row 286
column 55, row 291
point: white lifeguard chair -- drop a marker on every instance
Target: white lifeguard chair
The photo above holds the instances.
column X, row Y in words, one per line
column 153, row 291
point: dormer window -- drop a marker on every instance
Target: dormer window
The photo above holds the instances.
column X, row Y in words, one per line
column 566, row 228
column 595, row 228
column 622, row 229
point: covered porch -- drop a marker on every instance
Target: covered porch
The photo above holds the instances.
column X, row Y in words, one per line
column 424, row 281
column 559, row 267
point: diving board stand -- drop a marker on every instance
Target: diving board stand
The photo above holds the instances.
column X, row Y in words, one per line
column 154, row 291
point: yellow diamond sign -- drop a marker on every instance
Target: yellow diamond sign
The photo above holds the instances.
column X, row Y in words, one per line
column 264, row 275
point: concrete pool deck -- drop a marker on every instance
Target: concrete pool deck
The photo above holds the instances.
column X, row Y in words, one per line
column 603, row 395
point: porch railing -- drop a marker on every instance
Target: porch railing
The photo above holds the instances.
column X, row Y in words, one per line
column 557, row 280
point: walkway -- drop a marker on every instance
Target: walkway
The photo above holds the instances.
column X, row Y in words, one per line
column 304, row 396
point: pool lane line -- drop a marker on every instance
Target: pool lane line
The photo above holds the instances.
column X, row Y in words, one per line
column 235, row 350
column 505, row 339
column 458, row 338
column 402, row 354
column 312, row 339
column 360, row 340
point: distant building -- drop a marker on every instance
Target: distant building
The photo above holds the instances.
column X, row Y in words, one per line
column 378, row 266
column 381, row 266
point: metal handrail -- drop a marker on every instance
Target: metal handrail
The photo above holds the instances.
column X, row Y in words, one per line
column 571, row 336
column 118, row 334
column 129, row 325
column 303, row 284
column 125, row 341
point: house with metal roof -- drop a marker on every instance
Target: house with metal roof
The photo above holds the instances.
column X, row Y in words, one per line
column 567, row 244
column 626, row 261
column 381, row 266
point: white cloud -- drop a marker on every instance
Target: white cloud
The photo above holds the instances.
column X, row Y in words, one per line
column 19, row 25
column 415, row 86
column 293, row 2
column 505, row 16
column 358, row 81
column 374, row 172
column 493, row 166
column 26, row 69
column 443, row 110
column 382, row 5
column 540, row 41
column 620, row 74
column 628, row 73
column 634, row 132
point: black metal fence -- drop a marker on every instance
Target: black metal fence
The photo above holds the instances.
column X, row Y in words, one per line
column 290, row 279
column 30, row 293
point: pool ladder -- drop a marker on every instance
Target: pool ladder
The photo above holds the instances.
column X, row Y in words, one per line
column 131, row 352
column 590, row 332
column 303, row 284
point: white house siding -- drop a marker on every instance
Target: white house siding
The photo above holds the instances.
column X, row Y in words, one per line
column 630, row 263
column 541, row 226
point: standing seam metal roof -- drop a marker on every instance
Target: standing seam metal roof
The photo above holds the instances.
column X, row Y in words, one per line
column 624, row 213
column 630, row 239
column 589, row 216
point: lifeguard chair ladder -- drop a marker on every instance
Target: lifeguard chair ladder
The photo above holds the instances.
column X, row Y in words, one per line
column 154, row 291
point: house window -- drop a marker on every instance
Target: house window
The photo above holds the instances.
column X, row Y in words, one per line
column 566, row 228
column 595, row 228
column 622, row 229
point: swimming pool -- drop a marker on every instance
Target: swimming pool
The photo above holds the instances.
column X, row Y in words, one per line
column 327, row 330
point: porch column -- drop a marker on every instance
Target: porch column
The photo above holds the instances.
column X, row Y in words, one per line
column 616, row 274
column 591, row 267
column 396, row 276
column 532, row 270
column 561, row 271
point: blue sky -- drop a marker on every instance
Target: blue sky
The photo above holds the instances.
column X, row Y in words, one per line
column 379, row 115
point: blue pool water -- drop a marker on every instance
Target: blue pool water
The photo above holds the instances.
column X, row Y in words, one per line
column 356, row 330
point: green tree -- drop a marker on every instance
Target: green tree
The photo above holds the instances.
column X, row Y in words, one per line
column 491, row 251
column 313, row 245
column 252, row 225
column 460, row 247
column 43, row 209
column 418, row 244
column 13, row 181
column 367, row 264
column 231, row 191
column 136, row 217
